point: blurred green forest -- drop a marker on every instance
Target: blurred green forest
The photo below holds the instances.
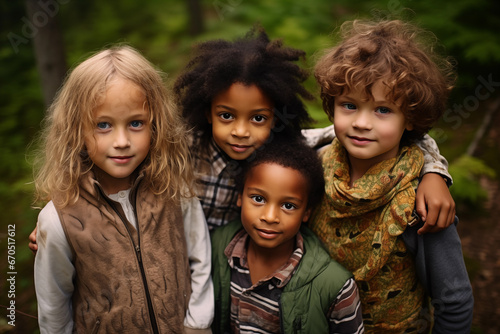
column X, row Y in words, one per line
column 165, row 31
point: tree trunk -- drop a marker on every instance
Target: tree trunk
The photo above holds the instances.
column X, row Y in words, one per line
column 48, row 46
column 195, row 13
column 483, row 128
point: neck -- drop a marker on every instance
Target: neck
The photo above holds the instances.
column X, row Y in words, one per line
column 263, row 262
column 357, row 168
column 115, row 186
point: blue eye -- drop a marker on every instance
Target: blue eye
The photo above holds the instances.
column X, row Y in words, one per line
column 383, row 110
column 349, row 106
column 136, row 124
column 103, row 125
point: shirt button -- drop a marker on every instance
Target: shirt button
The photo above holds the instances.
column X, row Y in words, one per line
column 122, row 194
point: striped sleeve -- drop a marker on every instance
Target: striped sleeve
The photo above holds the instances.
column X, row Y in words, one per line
column 345, row 313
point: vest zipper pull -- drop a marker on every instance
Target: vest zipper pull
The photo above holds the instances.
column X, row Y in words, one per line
column 138, row 251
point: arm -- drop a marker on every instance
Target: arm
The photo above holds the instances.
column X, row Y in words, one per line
column 317, row 138
column 200, row 311
column 434, row 203
column 54, row 273
column 441, row 269
column 345, row 313
column 32, row 239
column 434, row 162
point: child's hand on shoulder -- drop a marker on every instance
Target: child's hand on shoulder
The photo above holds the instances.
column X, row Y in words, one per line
column 32, row 245
column 434, row 204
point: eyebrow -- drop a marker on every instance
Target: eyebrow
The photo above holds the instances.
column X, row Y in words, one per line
column 234, row 110
column 288, row 198
column 351, row 98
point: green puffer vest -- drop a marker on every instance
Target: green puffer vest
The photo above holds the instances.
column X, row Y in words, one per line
column 306, row 298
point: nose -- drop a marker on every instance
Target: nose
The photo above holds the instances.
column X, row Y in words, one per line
column 121, row 138
column 240, row 129
column 362, row 120
column 270, row 214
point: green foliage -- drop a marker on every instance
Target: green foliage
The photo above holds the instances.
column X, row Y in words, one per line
column 467, row 190
column 159, row 28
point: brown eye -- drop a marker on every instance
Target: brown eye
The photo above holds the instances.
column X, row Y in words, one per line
column 259, row 118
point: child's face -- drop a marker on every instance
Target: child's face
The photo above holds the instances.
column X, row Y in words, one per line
column 242, row 118
column 273, row 205
column 121, row 136
column 369, row 130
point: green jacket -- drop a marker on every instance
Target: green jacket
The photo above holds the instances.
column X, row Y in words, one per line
column 306, row 298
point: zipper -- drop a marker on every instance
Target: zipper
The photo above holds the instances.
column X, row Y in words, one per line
column 97, row 324
column 137, row 248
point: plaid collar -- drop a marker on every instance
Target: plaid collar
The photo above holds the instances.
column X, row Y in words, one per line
column 217, row 158
column 236, row 253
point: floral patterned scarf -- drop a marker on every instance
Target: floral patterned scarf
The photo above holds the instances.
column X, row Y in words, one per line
column 360, row 225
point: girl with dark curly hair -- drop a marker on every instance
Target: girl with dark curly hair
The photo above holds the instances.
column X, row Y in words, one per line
column 237, row 96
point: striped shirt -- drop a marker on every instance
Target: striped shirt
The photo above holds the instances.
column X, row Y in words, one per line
column 255, row 307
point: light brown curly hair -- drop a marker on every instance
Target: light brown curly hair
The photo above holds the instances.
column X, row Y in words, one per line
column 63, row 161
column 399, row 54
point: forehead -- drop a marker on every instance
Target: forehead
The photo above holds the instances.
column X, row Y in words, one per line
column 378, row 91
column 119, row 91
column 243, row 96
column 279, row 179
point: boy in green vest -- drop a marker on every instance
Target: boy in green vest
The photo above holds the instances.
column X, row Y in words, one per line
column 270, row 272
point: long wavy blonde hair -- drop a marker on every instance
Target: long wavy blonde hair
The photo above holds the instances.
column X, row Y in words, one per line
column 63, row 161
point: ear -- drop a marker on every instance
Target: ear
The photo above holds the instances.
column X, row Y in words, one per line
column 409, row 126
column 238, row 202
column 306, row 216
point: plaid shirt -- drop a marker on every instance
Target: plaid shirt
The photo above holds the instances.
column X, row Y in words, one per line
column 255, row 307
column 215, row 186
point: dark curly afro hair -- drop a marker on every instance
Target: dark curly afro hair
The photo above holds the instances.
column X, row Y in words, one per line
column 251, row 60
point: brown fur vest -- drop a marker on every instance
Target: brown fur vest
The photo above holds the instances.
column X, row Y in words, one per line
column 127, row 280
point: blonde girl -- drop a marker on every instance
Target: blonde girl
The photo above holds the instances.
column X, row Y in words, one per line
column 121, row 244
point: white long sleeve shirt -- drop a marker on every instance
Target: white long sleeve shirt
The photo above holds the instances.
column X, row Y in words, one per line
column 54, row 270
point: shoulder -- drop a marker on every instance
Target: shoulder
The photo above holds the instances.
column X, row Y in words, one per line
column 317, row 259
column 221, row 236
column 50, row 234
column 48, row 218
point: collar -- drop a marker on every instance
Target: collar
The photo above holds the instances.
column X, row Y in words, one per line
column 91, row 188
column 217, row 158
column 236, row 253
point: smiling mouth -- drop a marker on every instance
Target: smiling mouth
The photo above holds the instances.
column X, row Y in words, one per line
column 240, row 148
column 267, row 234
column 121, row 160
column 360, row 140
